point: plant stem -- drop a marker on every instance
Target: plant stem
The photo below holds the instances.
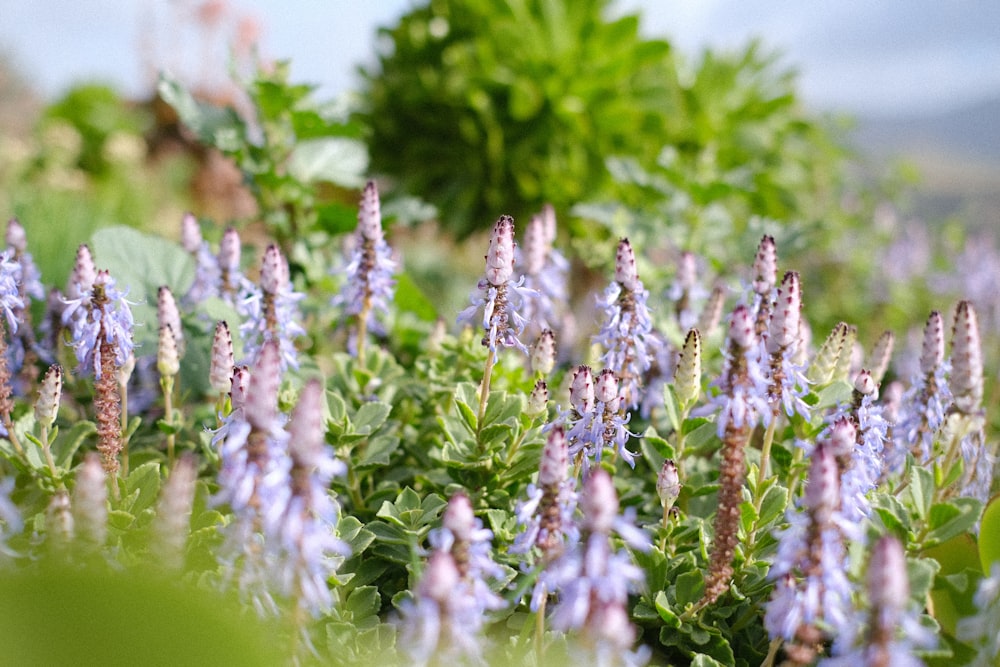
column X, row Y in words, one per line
column 484, row 388
column 366, row 308
column 540, row 633
column 167, row 385
column 765, row 451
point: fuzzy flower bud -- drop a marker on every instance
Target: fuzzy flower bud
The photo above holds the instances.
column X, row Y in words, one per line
column 668, row 484
column 459, row 517
column 59, row 520
column 966, row 380
column 273, row 271
column 305, row 427
column 599, row 502
column 440, row 578
column 167, row 314
column 538, row 400
column 15, row 236
column 864, row 383
column 581, row 389
column 846, row 359
column 536, row 245
column 822, row 494
column 49, row 393
column 220, row 372
column 606, row 387
column 167, row 360
column 625, row 270
column 554, row 465
column 90, row 502
column 687, row 378
column 262, row 394
column 822, row 369
column 843, row 437
column 239, row 386
column 783, row 331
column 765, row 266
column 741, row 328
column 230, row 252
column 932, row 353
column 711, row 314
column 173, row 513
column 543, row 353
column 888, row 585
column 81, row 280
column 191, row 239
column 881, row 355
column 370, row 214
column 500, row 255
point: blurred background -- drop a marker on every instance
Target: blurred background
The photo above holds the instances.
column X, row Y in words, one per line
column 920, row 79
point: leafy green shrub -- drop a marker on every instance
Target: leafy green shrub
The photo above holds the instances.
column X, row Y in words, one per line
column 483, row 107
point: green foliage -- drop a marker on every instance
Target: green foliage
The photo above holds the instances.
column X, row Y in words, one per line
column 287, row 149
column 503, row 119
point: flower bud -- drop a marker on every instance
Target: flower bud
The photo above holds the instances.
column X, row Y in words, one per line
column 500, row 255
column 881, row 355
column 90, row 502
column 15, row 237
column 59, row 519
column 220, row 372
column 440, row 578
column 932, row 353
column 554, row 465
column 49, row 393
column 606, row 387
column 581, row 390
column 274, row 277
column 191, row 239
column 230, row 251
column 370, row 214
column 822, row 494
column 305, row 427
column 783, row 331
column 850, row 355
column 843, row 437
column 167, row 360
column 823, row 366
column 966, row 380
column 167, row 314
column 459, row 517
column 765, row 266
column 262, row 396
column 741, row 328
column 239, row 387
column 599, row 502
column 538, row 400
column 711, row 314
column 864, row 383
column 536, row 246
column 173, row 513
column 543, row 353
column 888, row 584
column 668, row 484
column 687, row 378
column 626, row 273
column 81, row 280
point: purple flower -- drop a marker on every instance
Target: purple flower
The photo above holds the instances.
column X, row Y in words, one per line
column 101, row 315
column 922, row 410
column 603, row 426
column 500, row 298
column 627, row 333
column 207, row 274
column 544, row 270
column 271, row 312
column 370, row 284
column 309, row 550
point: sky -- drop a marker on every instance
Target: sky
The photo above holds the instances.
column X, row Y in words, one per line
column 909, row 57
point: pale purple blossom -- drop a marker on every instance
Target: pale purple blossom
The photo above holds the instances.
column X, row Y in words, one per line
column 545, row 271
column 271, row 310
column 100, row 315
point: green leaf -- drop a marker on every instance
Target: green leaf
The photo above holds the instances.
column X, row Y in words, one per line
column 146, row 480
column 336, row 160
column 989, row 535
column 921, row 573
column 378, row 451
column 921, row 489
column 689, row 588
column 410, row 298
column 140, row 263
column 952, row 518
column 773, row 505
column 370, row 417
column 665, row 612
column 216, row 126
column 69, row 441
